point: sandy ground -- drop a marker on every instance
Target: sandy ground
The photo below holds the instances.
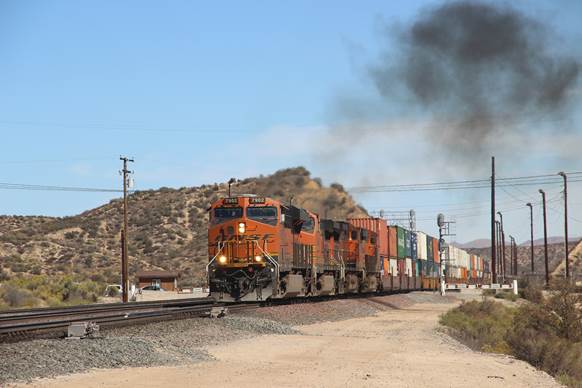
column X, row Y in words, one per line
column 397, row 348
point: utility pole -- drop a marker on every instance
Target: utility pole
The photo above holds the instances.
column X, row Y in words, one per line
column 124, row 257
column 511, row 254
column 503, row 262
column 531, row 237
column 493, row 241
column 543, row 193
column 513, row 264
column 563, row 175
column 498, row 247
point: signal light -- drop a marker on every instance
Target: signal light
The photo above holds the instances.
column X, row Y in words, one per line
column 241, row 227
column 258, row 259
column 222, row 259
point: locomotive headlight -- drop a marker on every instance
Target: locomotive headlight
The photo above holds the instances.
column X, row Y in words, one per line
column 241, row 227
column 222, row 259
column 258, row 259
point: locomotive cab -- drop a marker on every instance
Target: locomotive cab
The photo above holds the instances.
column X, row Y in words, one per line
column 242, row 237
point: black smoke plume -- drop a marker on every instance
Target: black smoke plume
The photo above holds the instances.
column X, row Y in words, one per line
column 477, row 69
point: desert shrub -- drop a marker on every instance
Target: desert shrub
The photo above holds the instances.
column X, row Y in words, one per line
column 507, row 295
column 3, row 275
column 489, row 292
column 88, row 261
column 113, row 291
column 531, row 291
column 19, row 267
column 91, row 227
column 481, row 325
column 39, row 290
column 547, row 334
column 97, row 277
column 13, row 296
column 337, row 187
column 36, row 270
column 71, row 235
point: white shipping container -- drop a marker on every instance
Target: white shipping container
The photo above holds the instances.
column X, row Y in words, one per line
column 421, row 245
column 465, row 258
column 455, row 254
column 451, row 255
column 393, row 267
column 408, row 267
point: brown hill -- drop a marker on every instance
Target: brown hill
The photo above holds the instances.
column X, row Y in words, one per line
column 556, row 255
column 167, row 229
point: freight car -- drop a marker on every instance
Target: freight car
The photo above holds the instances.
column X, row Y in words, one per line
column 260, row 249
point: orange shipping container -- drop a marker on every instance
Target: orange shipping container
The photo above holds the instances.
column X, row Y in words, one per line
column 386, row 267
column 392, row 242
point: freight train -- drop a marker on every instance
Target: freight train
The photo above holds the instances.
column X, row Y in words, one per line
column 260, row 249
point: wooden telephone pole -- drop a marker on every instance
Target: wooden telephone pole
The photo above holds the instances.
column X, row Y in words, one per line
column 531, row 235
column 493, row 225
column 543, row 193
column 563, row 175
column 502, row 237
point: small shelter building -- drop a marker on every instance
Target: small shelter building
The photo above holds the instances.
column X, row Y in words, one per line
column 167, row 280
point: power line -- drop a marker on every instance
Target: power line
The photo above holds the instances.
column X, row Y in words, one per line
column 46, row 161
column 20, row 186
column 461, row 185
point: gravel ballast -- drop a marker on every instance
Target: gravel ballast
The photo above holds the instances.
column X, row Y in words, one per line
column 342, row 309
column 162, row 343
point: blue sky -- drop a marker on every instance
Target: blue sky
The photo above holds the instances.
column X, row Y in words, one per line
column 200, row 91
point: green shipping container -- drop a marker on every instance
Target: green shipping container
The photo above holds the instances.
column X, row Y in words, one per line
column 429, row 248
column 407, row 243
column 401, row 237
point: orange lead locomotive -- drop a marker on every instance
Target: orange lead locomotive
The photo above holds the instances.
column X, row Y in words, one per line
column 260, row 248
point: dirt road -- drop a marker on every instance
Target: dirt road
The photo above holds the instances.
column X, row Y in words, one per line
column 398, row 348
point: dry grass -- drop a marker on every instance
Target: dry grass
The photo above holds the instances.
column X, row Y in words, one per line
column 547, row 333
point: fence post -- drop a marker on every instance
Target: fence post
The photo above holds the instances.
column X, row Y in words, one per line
column 514, row 286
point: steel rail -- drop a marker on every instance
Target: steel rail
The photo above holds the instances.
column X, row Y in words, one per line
column 57, row 321
column 45, row 311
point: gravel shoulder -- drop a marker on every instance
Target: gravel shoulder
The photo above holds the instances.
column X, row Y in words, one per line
column 164, row 343
column 376, row 342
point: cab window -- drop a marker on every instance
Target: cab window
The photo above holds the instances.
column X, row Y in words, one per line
column 263, row 214
column 222, row 214
column 308, row 225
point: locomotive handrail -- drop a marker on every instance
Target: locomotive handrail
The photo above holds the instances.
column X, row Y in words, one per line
column 215, row 256
column 275, row 264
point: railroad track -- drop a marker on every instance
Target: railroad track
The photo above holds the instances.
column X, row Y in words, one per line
column 52, row 322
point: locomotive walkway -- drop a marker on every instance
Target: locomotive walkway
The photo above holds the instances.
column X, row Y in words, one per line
column 397, row 348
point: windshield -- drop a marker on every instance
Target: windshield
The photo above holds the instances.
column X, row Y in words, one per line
column 222, row 214
column 308, row 225
column 263, row 214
